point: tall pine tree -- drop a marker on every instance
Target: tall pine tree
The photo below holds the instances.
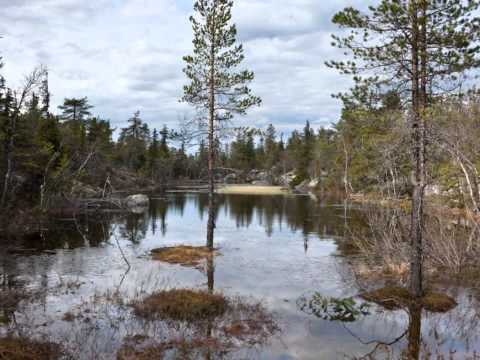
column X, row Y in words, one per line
column 420, row 49
column 217, row 88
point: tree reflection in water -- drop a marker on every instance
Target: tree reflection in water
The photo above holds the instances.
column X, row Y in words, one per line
column 348, row 310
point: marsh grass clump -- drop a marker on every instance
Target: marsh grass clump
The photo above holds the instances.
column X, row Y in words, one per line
column 13, row 348
column 181, row 304
column 395, row 297
column 183, row 255
column 436, row 302
column 242, row 325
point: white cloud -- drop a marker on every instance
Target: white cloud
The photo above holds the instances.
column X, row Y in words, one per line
column 126, row 55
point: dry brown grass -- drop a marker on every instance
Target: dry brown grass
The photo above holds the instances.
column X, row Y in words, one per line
column 182, row 304
column 12, row 348
column 395, row 297
column 451, row 248
column 436, row 302
column 183, row 255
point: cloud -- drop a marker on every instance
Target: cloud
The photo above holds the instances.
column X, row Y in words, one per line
column 127, row 55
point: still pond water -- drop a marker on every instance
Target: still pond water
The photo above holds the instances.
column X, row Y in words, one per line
column 276, row 250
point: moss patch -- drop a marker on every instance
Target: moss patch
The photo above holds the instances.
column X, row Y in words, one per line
column 395, row 297
column 183, row 305
column 183, row 255
column 24, row 349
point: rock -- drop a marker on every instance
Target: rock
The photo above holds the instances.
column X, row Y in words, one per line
column 81, row 190
column 252, row 175
column 137, row 201
column 313, row 184
column 286, row 179
column 230, row 179
column 433, row 190
column 302, row 187
column 256, row 176
column 260, row 183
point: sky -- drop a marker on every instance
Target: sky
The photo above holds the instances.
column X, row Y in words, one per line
column 126, row 55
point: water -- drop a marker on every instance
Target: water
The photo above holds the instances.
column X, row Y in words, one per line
column 275, row 250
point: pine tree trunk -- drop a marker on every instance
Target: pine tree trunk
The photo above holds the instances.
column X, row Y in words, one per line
column 418, row 132
column 211, row 152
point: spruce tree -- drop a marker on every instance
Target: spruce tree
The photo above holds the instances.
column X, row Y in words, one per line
column 134, row 141
column 420, row 49
column 217, row 89
column 75, row 109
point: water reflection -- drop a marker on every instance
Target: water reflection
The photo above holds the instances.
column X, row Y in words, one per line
column 273, row 249
column 273, row 213
column 423, row 335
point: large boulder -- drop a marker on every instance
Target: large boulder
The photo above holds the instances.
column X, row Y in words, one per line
column 302, row 187
column 231, row 179
column 257, row 177
column 136, row 201
column 287, row 178
column 252, row 175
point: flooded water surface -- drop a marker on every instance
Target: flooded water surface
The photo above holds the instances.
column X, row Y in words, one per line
column 286, row 255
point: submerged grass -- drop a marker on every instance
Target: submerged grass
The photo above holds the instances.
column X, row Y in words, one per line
column 183, row 254
column 395, row 297
column 12, row 348
column 181, row 304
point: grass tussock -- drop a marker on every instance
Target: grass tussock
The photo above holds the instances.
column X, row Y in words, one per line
column 183, row 255
column 395, row 297
column 436, row 302
column 182, row 304
column 12, row 348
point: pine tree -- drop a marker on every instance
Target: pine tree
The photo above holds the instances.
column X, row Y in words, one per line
column 45, row 94
column 216, row 87
column 163, row 149
column 272, row 156
column 134, row 141
column 75, row 109
column 419, row 48
column 153, row 154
